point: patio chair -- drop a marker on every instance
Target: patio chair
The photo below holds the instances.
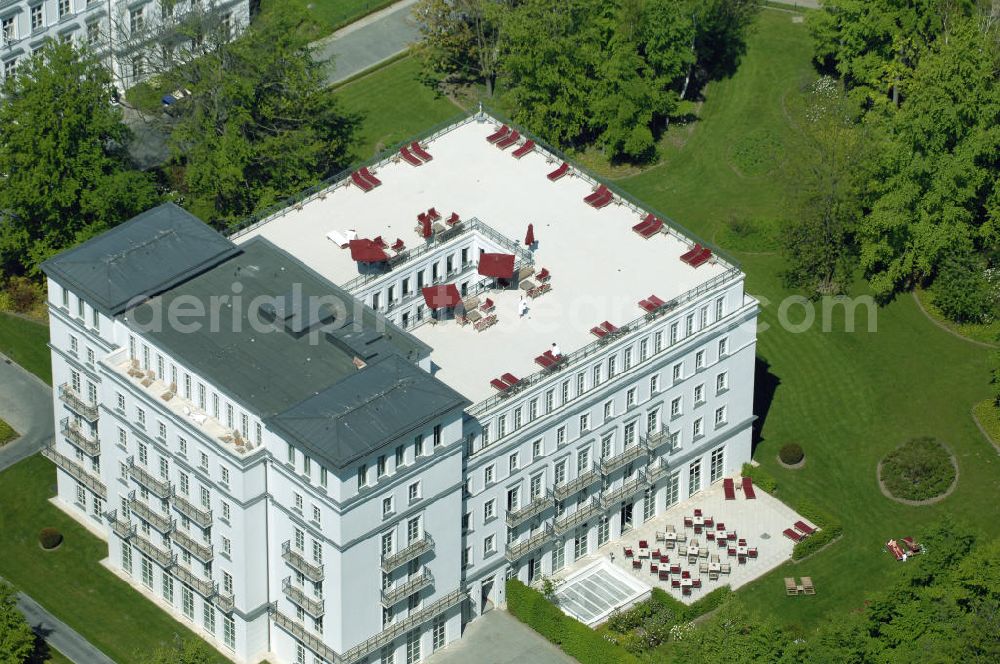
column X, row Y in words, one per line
column 731, row 551
column 664, row 575
column 696, row 583
column 791, row 588
column 742, row 542
column 361, row 183
column 752, row 552
column 420, row 152
column 722, row 541
column 398, row 245
column 654, row 568
column 510, row 379
column 434, row 214
column 499, row 385
column 714, row 558
column 688, row 522
column 627, row 551
column 664, row 558
column 685, row 574
column 702, row 568
column 597, row 194
column 636, row 564
column 713, row 576
column 655, row 554
column 741, row 559
column 675, row 583
column 703, row 552
column 691, row 253
column 670, row 528
column 710, row 535
column 510, row 140
column 914, row 547
column 697, row 529
column 729, row 488
column 807, row 586
column 724, row 568
column 720, row 526
column 528, row 146
column 367, row 175
column 675, row 569
column 682, row 551
column 660, row 535
column 686, row 590
column 643, row 544
column 709, row 522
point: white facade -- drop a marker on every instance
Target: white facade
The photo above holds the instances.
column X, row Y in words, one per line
column 108, row 27
column 267, row 552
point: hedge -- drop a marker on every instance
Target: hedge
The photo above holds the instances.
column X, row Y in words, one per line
column 50, row 538
column 791, row 454
column 688, row 612
column 760, row 477
column 830, row 529
column 572, row 636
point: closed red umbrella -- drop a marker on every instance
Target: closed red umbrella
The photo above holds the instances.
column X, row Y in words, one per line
column 426, row 227
column 529, row 239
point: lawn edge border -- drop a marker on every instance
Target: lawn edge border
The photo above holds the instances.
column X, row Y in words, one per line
column 982, row 429
column 946, row 328
column 920, row 503
column 817, row 551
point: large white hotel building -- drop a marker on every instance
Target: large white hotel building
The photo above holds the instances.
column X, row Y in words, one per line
column 344, row 483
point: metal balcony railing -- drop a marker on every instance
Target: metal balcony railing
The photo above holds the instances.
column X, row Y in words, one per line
column 123, row 529
column 567, row 489
column 313, row 606
column 656, row 438
column 628, row 455
column 158, row 520
column 656, row 471
column 225, row 601
column 410, row 552
column 74, row 434
column 308, row 639
column 391, row 596
column 202, row 517
column 311, row 571
column 71, row 398
column 569, row 521
column 531, row 510
column 626, row 490
column 203, row 587
column 163, row 558
column 157, row 486
column 200, row 550
column 517, row 550
column 76, row 471
column 419, row 617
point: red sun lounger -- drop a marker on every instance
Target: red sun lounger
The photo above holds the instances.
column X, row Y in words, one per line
column 528, row 146
column 366, row 174
column 559, row 172
column 362, row 183
column 792, row 535
column 730, row 490
column 498, row 134
column 647, row 305
column 398, row 245
column 804, row 528
column 543, row 274
column 655, row 300
column 648, row 229
column 505, row 143
column 895, row 549
column 453, row 219
column 599, row 332
column 691, row 253
column 510, row 379
column 701, row 258
column 597, row 194
column 748, row 491
column 420, row 152
column 911, row 545
column 404, row 152
column 610, row 327
column 433, row 214
column 545, row 361
column 602, row 201
column 499, row 384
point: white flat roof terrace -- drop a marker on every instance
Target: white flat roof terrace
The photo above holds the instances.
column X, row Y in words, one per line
column 600, row 268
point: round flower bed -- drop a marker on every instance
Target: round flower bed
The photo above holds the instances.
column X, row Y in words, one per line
column 791, row 454
column 919, row 470
column 50, row 538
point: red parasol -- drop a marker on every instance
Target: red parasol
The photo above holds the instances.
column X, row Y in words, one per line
column 529, row 239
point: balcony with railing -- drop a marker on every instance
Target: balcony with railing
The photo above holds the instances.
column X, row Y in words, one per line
column 391, row 633
column 308, row 639
column 76, row 471
column 122, row 528
column 198, row 549
column 72, row 398
column 157, row 486
column 225, row 601
column 200, row 516
column 517, row 550
column 567, row 522
column 412, row 551
column 312, row 605
column 582, row 481
column 156, row 519
column 628, row 455
column 656, row 438
column 656, row 471
column 531, row 510
column 74, row 433
column 298, row 562
column 162, row 556
column 391, row 596
column 204, row 587
column 626, row 490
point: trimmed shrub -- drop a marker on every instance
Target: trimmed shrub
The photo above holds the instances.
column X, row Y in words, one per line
column 830, row 529
column 963, row 291
column 572, row 636
column 918, row 470
column 50, row 538
column 791, row 454
column 761, row 478
column 22, row 293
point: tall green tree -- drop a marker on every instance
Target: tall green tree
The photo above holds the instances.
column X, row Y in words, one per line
column 17, row 641
column 826, row 173
column 260, row 123
column 65, row 172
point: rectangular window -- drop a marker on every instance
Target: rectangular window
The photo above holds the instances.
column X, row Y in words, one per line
column 380, row 466
column 643, row 350
column 699, row 394
column 386, row 506
column 167, row 588
column 723, row 347
column 720, row 308
column 698, row 428
column 653, row 420
column 694, row 478
column 362, row 475
column 501, row 426
column 147, row 572
column 412, row 530
column 532, row 409
column 675, row 407
column 627, row 359
column 720, row 416
column 654, row 384
column 673, row 333
column 437, row 433
column 699, row 359
column 630, row 397
column 584, row 423
column 629, row 437
column 136, row 19
column 418, row 446
column 609, row 410
column 37, row 17
column 597, row 376
column 229, row 632
column 612, row 366
column 678, row 372
column 607, row 446
column 488, row 475
column 489, row 510
column 413, row 492
column 717, row 466
column 208, row 617
column 560, row 472
column 205, row 498
column 187, row 602
column 550, row 401
column 437, row 633
column 561, row 435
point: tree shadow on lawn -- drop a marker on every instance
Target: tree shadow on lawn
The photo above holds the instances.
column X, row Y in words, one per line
column 765, row 385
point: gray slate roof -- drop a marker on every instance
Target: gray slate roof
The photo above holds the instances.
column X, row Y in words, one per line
column 146, row 255
column 362, row 412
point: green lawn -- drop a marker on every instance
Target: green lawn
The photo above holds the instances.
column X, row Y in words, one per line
column 848, row 398
column 70, row 582
column 7, row 433
column 26, row 343
column 330, row 15
column 394, row 106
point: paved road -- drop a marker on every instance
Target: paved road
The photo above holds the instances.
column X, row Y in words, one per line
column 26, row 405
column 58, row 635
column 500, row 638
column 368, row 41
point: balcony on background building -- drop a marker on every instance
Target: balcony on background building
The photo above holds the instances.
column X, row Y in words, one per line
column 392, row 596
column 298, row 562
column 584, row 480
column 77, row 471
column 204, row 587
column 630, row 454
column 158, row 520
column 412, row 551
column 312, row 605
column 585, row 511
column 71, row 398
column 655, row 439
column 520, row 548
column 198, row 549
column 163, row 557
column 74, row 433
column 628, row 489
column 156, row 486
column 532, row 509
column 202, row 517
column 657, row 471
column 225, row 601
column 308, row 639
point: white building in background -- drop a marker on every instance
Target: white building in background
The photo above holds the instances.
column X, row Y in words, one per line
column 110, row 28
column 350, row 484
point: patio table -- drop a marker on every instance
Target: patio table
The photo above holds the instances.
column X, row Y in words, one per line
column 528, row 284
